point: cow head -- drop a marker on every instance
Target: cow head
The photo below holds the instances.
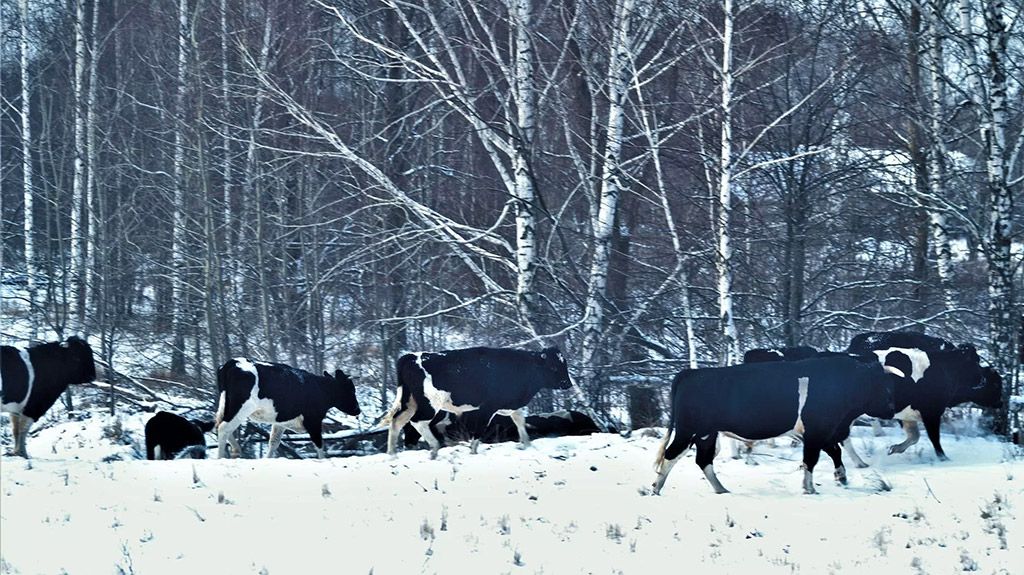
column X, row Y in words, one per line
column 985, row 390
column 554, row 363
column 79, row 360
column 972, row 382
column 343, row 392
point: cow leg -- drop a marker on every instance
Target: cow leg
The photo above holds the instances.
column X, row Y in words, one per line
column 15, row 429
column 910, row 428
column 398, row 421
column 833, row 451
column 669, row 456
column 316, row 435
column 520, row 421
column 423, row 427
column 705, row 457
column 812, row 452
column 226, row 433
column 848, row 447
column 21, row 437
column 931, row 426
column 275, row 440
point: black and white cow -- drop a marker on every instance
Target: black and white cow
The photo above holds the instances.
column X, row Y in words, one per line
column 817, row 398
column 170, row 436
column 941, row 375
column 281, row 395
column 492, row 380
column 784, row 354
column 32, row 379
column 479, row 426
column 761, row 355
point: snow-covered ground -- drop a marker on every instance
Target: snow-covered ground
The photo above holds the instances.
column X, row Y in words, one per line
column 566, row 505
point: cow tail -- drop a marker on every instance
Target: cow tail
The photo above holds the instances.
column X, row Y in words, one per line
column 222, row 377
column 659, row 461
column 397, row 405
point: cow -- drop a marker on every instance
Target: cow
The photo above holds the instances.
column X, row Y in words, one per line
column 476, row 426
column 281, row 395
column 170, row 436
column 492, row 380
column 32, row 379
column 761, row 355
column 817, row 398
column 942, row 375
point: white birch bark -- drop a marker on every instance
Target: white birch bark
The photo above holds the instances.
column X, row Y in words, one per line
column 937, row 155
column 178, row 218
column 723, row 260
column 250, row 194
column 617, row 84
column 26, row 166
column 77, row 263
column 92, row 230
column 520, row 14
column 225, row 111
column 1002, row 321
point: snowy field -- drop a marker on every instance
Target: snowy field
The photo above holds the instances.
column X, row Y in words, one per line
column 566, row 505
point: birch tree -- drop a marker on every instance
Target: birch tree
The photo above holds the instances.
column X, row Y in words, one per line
column 177, row 269
column 29, row 225
column 77, row 231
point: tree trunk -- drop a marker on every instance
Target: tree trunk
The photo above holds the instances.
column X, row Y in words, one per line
column 730, row 353
column 27, row 182
column 77, row 263
column 178, row 220
column 937, row 156
column 643, row 407
column 89, row 269
column 1002, row 321
column 618, row 68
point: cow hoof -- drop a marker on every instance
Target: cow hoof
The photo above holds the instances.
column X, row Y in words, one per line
column 862, row 465
column 942, row 457
column 841, row 479
column 721, row 491
column 810, row 491
column 433, row 455
column 894, row 449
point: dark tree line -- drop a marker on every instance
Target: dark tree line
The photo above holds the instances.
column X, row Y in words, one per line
column 650, row 184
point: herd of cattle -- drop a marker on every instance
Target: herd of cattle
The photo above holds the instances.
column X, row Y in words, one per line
column 459, row 394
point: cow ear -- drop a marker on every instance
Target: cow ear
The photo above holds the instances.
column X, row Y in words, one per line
column 327, row 375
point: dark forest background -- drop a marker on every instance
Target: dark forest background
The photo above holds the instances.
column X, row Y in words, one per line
column 648, row 184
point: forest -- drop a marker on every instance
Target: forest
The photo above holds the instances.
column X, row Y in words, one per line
column 649, row 185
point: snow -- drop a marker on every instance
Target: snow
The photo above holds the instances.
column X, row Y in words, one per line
column 565, row 505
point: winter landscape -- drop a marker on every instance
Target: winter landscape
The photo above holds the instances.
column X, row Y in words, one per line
column 565, row 505
column 624, row 229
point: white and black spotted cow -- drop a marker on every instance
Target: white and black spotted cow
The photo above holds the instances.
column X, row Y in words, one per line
column 285, row 397
column 492, row 380
column 941, row 375
column 171, row 436
column 32, row 379
column 817, row 398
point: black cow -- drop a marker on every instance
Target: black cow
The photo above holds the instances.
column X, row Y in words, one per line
column 169, row 436
column 491, row 380
column 761, row 355
column 32, row 379
column 285, row 397
column 476, row 426
column 784, row 354
column 942, row 375
column 818, row 398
